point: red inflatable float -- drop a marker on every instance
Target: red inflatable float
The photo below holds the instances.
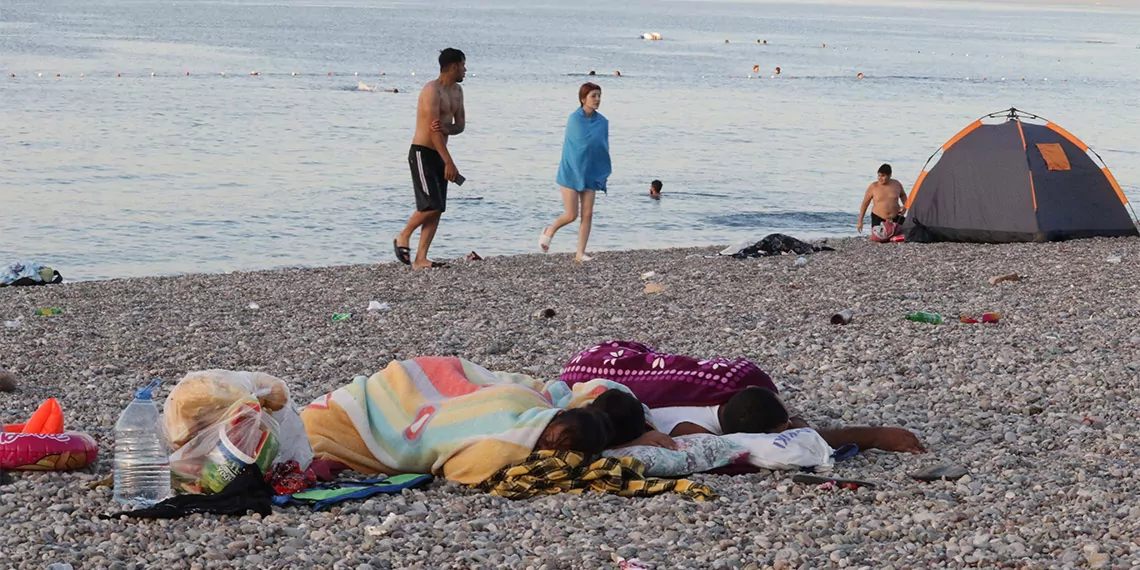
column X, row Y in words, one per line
column 46, row 452
column 42, row 445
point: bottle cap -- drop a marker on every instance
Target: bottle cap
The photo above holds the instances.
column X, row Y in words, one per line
column 145, row 393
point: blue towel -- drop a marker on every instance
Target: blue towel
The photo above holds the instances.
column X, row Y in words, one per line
column 585, row 152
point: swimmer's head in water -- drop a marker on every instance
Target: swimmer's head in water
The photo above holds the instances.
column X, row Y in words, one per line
column 884, row 173
column 590, row 96
column 625, row 414
column 777, row 71
column 583, row 429
column 755, row 68
column 655, row 187
column 592, row 72
column 754, row 410
column 452, row 61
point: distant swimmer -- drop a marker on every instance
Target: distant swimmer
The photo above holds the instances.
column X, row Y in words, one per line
column 617, row 73
column 860, row 75
column 777, row 71
column 755, row 68
column 592, row 72
column 655, row 189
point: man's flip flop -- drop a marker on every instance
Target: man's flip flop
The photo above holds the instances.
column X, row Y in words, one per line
column 438, row 265
column 834, row 481
column 403, row 254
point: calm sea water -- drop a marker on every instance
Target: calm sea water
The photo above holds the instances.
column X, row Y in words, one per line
column 107, row 176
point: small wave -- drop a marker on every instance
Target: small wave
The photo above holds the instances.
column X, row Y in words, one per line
column 784, row 219
column 362, row 86
column 695, row 194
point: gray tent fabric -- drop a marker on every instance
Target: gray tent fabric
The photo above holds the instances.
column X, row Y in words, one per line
column 1073, row 203
column 994, row 186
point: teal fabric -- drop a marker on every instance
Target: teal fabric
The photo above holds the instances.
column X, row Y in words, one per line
column 585, row 152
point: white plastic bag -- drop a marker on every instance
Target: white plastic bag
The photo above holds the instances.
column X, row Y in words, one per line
column 695, row 453
column 791, row 449
column 219, row 421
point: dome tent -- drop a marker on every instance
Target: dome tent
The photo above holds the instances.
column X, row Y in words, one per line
column 1016, row 181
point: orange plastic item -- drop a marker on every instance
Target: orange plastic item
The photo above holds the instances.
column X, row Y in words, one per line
column 47, row 420
column 42, row 445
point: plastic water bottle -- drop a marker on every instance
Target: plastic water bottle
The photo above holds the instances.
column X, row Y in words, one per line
column 920, row 317
column 142, row 456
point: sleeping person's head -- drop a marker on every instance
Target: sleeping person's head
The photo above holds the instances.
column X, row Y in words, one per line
column 584, row 430
column 754, row 410
column 625, row 414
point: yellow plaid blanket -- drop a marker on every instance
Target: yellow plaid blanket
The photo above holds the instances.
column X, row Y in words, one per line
column 548, row 472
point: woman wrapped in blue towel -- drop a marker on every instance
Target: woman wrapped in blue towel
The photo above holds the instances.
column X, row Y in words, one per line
column 584, row 169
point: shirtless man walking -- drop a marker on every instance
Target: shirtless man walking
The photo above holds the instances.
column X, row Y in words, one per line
column 439, row 115
column 888, row 196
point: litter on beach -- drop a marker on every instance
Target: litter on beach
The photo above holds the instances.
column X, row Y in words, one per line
column 996, row 279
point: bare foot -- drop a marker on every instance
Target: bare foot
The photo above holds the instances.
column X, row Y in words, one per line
column 429, row 264
column 583, row 258
column 544, row 240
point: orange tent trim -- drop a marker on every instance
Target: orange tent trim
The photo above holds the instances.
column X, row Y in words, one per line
column 969, row 129
column 1115, row 185
column 914, row 191
column 1033, row 190
column 1069, row 136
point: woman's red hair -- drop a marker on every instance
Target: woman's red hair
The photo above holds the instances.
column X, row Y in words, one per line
column 585, row 90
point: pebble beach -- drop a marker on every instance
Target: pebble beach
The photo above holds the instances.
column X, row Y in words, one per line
column 1040, row 408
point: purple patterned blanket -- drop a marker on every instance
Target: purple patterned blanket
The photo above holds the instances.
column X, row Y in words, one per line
column 665, row 380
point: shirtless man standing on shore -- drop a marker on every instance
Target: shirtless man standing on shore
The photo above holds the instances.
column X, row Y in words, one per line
column 888, row 196
column 439, row 115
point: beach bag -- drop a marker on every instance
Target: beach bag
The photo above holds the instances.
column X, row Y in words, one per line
column 883, row 232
